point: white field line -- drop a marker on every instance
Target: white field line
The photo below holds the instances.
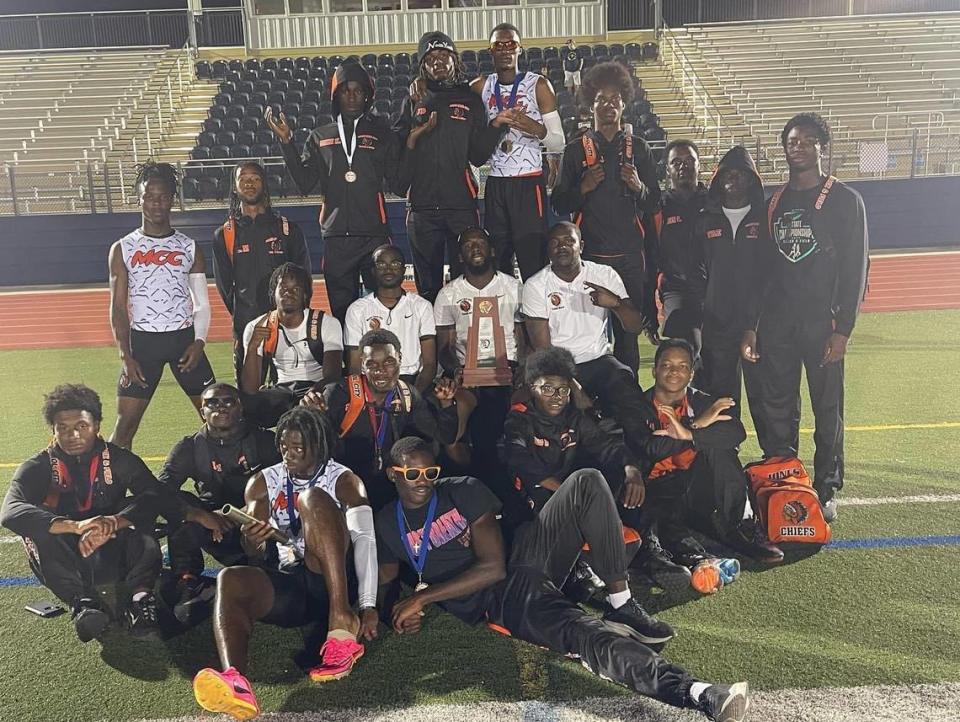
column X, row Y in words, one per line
column 884, row 703
column 844, row 502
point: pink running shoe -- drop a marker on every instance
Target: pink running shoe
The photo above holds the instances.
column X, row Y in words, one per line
column 227, row 691
column 337, row 657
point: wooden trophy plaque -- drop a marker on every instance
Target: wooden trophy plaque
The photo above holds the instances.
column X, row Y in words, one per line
column 486, row 363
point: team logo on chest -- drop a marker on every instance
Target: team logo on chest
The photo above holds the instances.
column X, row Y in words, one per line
column 155, row 257
column 465, row 305
column 555, row 299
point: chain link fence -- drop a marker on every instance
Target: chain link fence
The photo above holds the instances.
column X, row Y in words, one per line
column 99, row 187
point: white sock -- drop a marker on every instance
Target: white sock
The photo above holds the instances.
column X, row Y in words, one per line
column 697, row 689
column 618, row 599
column 138, row 596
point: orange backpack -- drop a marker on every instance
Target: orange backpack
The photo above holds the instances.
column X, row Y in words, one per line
column 785, row 501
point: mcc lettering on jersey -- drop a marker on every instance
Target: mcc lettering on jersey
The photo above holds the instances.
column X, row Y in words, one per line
column 156, row 257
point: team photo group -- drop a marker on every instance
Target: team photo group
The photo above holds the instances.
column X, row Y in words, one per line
column 493, row 442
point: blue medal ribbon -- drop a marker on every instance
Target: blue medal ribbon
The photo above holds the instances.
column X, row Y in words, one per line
column 417, row 559
column 513, row 92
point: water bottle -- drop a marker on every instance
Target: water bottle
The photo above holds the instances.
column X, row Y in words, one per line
column 711, row 575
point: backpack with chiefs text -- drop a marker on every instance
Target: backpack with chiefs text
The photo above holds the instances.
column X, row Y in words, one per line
column 785, row 502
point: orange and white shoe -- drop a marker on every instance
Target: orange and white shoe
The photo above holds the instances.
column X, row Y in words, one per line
column 227, row 691
column 337, row 657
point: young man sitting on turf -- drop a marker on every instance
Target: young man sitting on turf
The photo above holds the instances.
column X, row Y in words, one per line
column 220, row 459
column 693, row 470
column 446, row 531
column 370, row 411
column 82, row 532
column 304, row 344
column 321, row 506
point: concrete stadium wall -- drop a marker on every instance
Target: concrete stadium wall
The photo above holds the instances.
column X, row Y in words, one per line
column 72, row 249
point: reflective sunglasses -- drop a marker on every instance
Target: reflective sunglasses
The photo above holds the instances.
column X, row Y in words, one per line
column 220, row 402
column 505, row 45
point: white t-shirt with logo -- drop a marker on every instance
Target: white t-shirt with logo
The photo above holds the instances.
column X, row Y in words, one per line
column 293, row 359
column 411, row 320
column 575, row 323
column 455, row 305
column 158, row 288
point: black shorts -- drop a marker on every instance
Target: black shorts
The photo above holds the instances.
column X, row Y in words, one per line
column 153, row 351
column 299, row 597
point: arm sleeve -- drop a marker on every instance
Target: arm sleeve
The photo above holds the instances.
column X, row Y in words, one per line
column 307, row 170
column 223, row 270
column 179, row 464
column 554, row 140
column 647, row 171
column 201, row 305
column 22, row 513
column 298, row 252
column 852, row 258
column 566, row 196
column 360, row 526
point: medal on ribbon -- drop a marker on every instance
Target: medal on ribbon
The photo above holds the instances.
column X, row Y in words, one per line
column 350, row 176
column 417, row 552
column 507, row 145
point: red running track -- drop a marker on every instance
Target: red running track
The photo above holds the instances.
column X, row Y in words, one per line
column 77, row 318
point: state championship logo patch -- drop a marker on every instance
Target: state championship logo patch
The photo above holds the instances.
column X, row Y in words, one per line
column 794, row 236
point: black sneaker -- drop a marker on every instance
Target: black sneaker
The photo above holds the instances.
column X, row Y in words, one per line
column 583, row 583
column 657, row 563
column 633, row 620
column 750, row 540
column 143, row 619
column 725, row 702
column 88, row 619
column 689, row 552
column 194, row 595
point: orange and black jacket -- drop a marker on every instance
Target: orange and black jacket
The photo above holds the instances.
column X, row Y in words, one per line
column 260, row 245
column 538, row 446
column 83, row 488
column 678, row 252
column 608, row 217
column 436, row 175
column 719, row 435
column 730, row 261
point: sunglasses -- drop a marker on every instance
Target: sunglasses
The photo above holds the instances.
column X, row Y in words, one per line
column 505, row 45
column 414, row 473
column 220, row 402
column 550, row 390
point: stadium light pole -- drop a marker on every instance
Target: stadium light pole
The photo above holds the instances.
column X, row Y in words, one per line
column 194, row 10
column 657, row 17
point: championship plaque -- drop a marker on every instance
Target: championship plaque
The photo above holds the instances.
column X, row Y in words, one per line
column 486, row 363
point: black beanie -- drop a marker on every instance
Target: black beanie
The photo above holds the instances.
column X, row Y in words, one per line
column 432, row 41
column 345, row 73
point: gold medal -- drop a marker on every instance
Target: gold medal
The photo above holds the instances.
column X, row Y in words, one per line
column 350, row 176
column 506, row 146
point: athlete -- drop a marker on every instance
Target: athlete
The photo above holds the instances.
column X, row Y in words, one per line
column 443, row 130
column 608, row 180
column 349, row 161
column 409, row 316
column 252, row 242
column 322, row 509
column 809, row 285
column 515, row 200
column 159, row 308
column 85, row 508
column 220, row 459
column 679, row 255
column 446, row 532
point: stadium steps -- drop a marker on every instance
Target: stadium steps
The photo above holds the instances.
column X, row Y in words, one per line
column 181, row 137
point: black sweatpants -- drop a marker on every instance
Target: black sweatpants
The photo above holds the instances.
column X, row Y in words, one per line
column 720, row 373
column 132, row 559
column 530, row 605
column 785, row 345
column 631, row 269
column 683, row 318
column 433, row 233
column 187, row 542
column 615, row 386
column 710, row 496
column 345, row 260
column 515, row 216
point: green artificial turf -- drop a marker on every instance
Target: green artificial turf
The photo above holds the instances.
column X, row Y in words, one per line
column 842, row 617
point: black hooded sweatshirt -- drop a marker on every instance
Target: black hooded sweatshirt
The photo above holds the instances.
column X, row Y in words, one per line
column 729, row 260
column 437, row 173
column 349, row 209
column 679, row 253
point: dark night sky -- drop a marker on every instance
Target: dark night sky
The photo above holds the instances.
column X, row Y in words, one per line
column 15, row 7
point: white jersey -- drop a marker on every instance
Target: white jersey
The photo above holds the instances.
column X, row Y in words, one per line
column 158, row 289
column 411, row 320
column 456, row 301
column 276, row 477
column 293, row 359
column 523, row 157
column 575, row 323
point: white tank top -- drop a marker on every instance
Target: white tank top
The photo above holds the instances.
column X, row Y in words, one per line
column 158, row 290
column 276, row 478
column 524, row 156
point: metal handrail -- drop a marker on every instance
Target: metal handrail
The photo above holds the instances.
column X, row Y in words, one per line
column 153, row 134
